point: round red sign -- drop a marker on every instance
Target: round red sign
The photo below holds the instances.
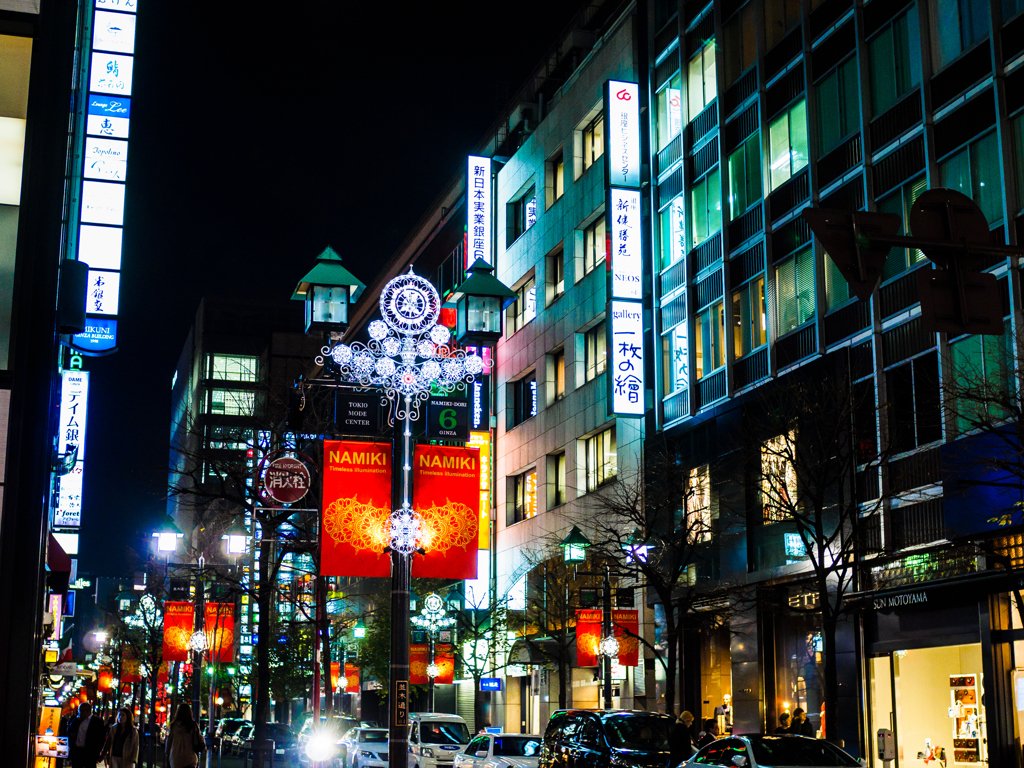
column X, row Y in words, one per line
column 286, row 480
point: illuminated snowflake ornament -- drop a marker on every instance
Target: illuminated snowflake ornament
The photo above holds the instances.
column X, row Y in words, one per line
column 405, row 531
column 610, row 646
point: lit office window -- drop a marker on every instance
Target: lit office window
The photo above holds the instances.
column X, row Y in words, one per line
column 701, row 86
column 593, row 141
column 748, row 317
column 232, row 367
column 594, row 245
column 788, row 139
column 232, row 402
column 709, row 340
column 794, row 289
column 602, row 463
column 595, row 350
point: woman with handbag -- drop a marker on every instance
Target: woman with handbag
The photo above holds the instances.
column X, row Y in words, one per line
column 184, row 740
column 122, row 747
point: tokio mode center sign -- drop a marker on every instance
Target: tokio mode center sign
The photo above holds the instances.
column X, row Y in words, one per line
column 286, row 480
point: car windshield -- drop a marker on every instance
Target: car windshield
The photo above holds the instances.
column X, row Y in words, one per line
column 279, row 731
column 516, row 746
column 786, row 750
column 638, row 732
column 374, row 735
column 230, row 726
column 444, row 733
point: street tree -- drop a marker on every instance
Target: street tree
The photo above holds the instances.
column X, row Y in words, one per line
column 481, row 633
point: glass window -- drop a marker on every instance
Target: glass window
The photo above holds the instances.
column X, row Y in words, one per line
column 593, row 141
column 523, row 309
column 894, row 62
column 794, row 289
column 748, row 315
column 595, row 350
column 700, row 81
column 981, row 368
column 914, row 412
column 745, row 176
column 709, row 340
column 675, row 351
column 559, row 371
column 673, row 232
column 522, row 404
column 524, row 497
column 601, row 459
column 1012, row 8
column 555, row 268
column 232, row 367
column 900, row 202
column 975, row 172
column 521, row 214
column 594, row 245
column 706, row 196
column 956, row 26
column 558, row 471
column 227, row 438
column 670, row 111
column 780, row 16
column 232, row 402
column 837, row 290
column 740, row 44
column 697, row 500
column 778, row 477
column 799, row 675
column 838, row 105
column 788, row 139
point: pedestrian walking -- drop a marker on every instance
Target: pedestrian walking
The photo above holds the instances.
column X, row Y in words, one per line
column 680, row 740
column 783, row 724
column 184, row 741
column 801, row 725
column 122, row 747
column 709, row 734
column 86, row 736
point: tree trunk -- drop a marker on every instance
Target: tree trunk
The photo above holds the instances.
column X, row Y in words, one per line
column 325, row 624
column 563, row 673
column 263, row 595
column 478, row 702
column 673, row 661
column 828, row 631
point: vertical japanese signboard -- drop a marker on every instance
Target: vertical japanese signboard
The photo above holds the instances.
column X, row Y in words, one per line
column 446, row 496
column 356, row 509
column 74, row 406
column 479, row 210
column 105, row 117
column 482, row 441
column 625, row 272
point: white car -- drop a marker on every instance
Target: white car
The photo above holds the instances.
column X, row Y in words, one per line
column 501, row 750
column 366, row 748
column 776, row 751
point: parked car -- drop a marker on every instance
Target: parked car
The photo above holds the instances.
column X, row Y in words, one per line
column 369, row 749
column 337, row 726
column 434, row 738
column 501, row 750
column 286, row 743
column 234, row 742
column 225, row 729
column 777, row 751
column 579, row 738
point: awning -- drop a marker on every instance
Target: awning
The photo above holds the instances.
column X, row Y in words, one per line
column 540, row 651
column 973, row 585
column 58, row 563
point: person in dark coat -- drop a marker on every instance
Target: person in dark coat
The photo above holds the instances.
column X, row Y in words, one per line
column 86, row 737
column 709, row 734
column 801, row 725
column 783, row 724
column 680, row 741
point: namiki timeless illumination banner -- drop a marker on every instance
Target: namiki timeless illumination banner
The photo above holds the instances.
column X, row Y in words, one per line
column 220, row 630
column 588, row 636
column 446, row 496
column 357, row 509
column 626, row 625
column 178, row 624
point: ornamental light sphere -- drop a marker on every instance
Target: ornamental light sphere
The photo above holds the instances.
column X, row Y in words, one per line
column 431, row 369
column 391, row 346
column 341, row 354
column 198, row 643
column 363, row 362
column 405, row 528
column 474, row 365
column 433, row 670
column 385, row 366
column 378, row 329
column 610, row 646
column 440, row 334
column 452, row 369
column 426, row 349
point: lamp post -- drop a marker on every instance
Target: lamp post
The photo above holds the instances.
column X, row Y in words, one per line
column 432, row 619
column 407, row 356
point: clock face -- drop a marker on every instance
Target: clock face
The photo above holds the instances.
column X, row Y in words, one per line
column 409, row 304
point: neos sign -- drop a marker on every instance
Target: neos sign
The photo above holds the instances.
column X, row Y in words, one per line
column 286, row 480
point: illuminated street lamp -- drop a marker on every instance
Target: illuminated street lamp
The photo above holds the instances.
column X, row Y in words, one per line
column 480, row 302
column 327, row 291
column 199, row 642
column 610, row 646
column 236, row 540
column 574, row 546
column 432, row 619
column 167, row 538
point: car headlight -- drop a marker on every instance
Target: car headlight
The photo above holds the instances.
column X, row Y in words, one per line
column 367, row 754
column 319, row 748
column 426, row 752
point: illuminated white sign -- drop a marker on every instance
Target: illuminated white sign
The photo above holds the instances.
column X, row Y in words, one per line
column 108, row 116
column 627, row 259
column 530, row 308
column 128, row 6
column 479, row 210
column 74, row 403
column 675, row 111
column 100, row 247
column 622, row 131
column 105, row 159
column 111, row 73
column 113, row 32
column 102, row 203
column 69, row 498
column 627, row 342
column 68, row 542
column 101, row 296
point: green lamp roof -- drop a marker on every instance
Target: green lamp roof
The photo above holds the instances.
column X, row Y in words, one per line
column 328, row 271
column 575, row 538
column 482, row 282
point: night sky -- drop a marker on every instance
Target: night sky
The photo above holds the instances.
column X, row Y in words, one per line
column 260, row 134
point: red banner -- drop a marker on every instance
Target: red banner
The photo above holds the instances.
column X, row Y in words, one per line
column 105, row 679
column 161, row 673
column 178, row 624
column 352, row 676
column 130, row 667
column 220, row 631
column 626, row 625
column 588, row 636
column 445, row 660
column 335, row 670
column 446, row 496
column 419, row 657
column 357, row 509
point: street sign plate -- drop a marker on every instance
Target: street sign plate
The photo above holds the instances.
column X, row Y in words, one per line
column 940, row 303
column 357, row 414
column 448, row 418
column 944, row 214
column 845, row 235
column 286, row 480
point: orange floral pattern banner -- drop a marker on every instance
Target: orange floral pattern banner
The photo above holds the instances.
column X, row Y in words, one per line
column 220, row 631
column 352, row 677
column 130, row 667
column 419, row 657
column 446, row 496
column 445, row 660
column 357, row 508
column 626, row 625
column 105, row 679
column 588, row 636
column 178, row 624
